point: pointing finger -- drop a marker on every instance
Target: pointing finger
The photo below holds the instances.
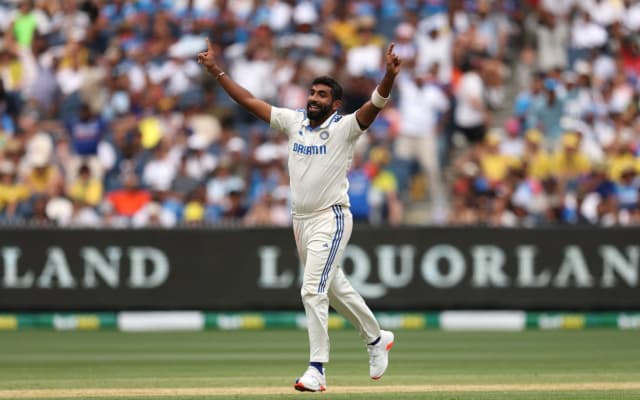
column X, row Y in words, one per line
column 209, row 45
column 390, row 49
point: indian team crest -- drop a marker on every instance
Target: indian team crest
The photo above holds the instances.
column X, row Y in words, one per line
column 324, row 135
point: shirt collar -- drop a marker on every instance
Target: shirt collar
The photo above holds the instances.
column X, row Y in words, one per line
column 324, row 125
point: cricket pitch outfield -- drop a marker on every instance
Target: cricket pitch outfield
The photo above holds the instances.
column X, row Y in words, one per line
column 425, row 364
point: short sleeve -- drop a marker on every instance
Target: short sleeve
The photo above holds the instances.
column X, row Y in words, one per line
column 283, row 118
column 352, row 126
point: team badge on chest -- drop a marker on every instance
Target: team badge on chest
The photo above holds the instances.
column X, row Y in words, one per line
column 324, row 135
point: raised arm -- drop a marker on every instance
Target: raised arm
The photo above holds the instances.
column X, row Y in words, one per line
column 240, row 95
column 368, row 112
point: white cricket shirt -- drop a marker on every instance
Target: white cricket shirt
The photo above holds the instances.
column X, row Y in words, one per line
column 319, row 158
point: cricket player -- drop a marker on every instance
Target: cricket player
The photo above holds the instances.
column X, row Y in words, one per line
column 321, row 147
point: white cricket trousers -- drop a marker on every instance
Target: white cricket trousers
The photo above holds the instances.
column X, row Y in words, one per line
column 321, row 239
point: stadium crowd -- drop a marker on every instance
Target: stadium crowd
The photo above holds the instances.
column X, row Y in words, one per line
column 507, row 113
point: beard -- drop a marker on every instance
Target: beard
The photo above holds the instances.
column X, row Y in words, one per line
column 321, row 113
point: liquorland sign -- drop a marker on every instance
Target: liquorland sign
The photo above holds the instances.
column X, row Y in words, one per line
column 408, row 268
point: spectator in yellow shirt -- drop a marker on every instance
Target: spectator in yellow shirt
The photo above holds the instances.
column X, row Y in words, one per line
column 12, row 192
column 344, row 27
column 495, row 165
column 43, row 177
column 11, row 69
column 569, row 163
column 85, row 188
column 383, row 196
column 537, row 160
column 620, row 158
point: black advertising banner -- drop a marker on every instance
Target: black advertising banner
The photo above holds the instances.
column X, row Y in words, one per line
column 257, row 269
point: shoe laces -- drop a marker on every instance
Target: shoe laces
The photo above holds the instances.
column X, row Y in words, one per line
column 313, row 371
column 375, row 352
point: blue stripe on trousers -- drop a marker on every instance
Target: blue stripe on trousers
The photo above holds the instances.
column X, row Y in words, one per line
column 335, row 244
column 339, row 232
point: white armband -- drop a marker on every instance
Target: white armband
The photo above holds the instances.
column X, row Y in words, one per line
column 377, row 99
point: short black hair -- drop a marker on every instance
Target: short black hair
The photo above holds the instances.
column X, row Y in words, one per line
column 336, row 89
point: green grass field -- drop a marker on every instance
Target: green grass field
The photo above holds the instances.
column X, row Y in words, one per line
column 590, row 364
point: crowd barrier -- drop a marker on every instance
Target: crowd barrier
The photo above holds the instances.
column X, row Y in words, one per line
column 395, row 269
column 145, row 321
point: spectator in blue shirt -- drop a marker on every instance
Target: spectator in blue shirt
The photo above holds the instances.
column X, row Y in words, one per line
column 85, row 132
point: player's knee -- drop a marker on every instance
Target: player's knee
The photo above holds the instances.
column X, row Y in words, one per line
column 306, row 291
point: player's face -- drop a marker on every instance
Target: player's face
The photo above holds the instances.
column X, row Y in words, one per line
column 320, row 103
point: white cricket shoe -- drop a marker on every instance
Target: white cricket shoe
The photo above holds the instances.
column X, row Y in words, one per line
column 311, row 381
column 379, row 355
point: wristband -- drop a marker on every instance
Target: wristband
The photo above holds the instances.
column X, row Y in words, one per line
column 377, row 100
column 220, row 75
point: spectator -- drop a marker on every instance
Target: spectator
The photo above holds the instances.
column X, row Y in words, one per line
column 632, row 16
column 384, row 201
column 36, row 213
column 463, row 209
column 547, row 113
column 551, row 38
column 569, row 163
column 513, row 144
column 12, row 192
column 43, row 88
column 25, row 23
column 160, row 171
column 86, row 189
column 183, row 184
column 586, row 35
column 494, row 164
column 178, row 74
column 222, row 183
column 359, row 186
column 576, row 67
column 86, row 132
column 74, row 21
column 260, row 212
column 153, row 214
column 605, row 13
column 435, row 46
column 621, row 156
column 471, row 115
column 196, row 212
column 628, row 196
column 59, row 209
column 536, row 159
column 405, row 48
column 130, row 199
column 199, row 163
column 43, row 177
column 85, row 216
column 281, row 207
column 342, row 25
column 365, row 57
column 234, row 210
column 422, row 104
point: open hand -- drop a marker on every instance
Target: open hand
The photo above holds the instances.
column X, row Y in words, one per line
column 208, row 59
column 392, row 60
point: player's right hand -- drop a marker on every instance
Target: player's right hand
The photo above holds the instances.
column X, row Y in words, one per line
column 208, row 59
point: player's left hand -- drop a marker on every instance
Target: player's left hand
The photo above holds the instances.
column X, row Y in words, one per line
column 393, row 61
